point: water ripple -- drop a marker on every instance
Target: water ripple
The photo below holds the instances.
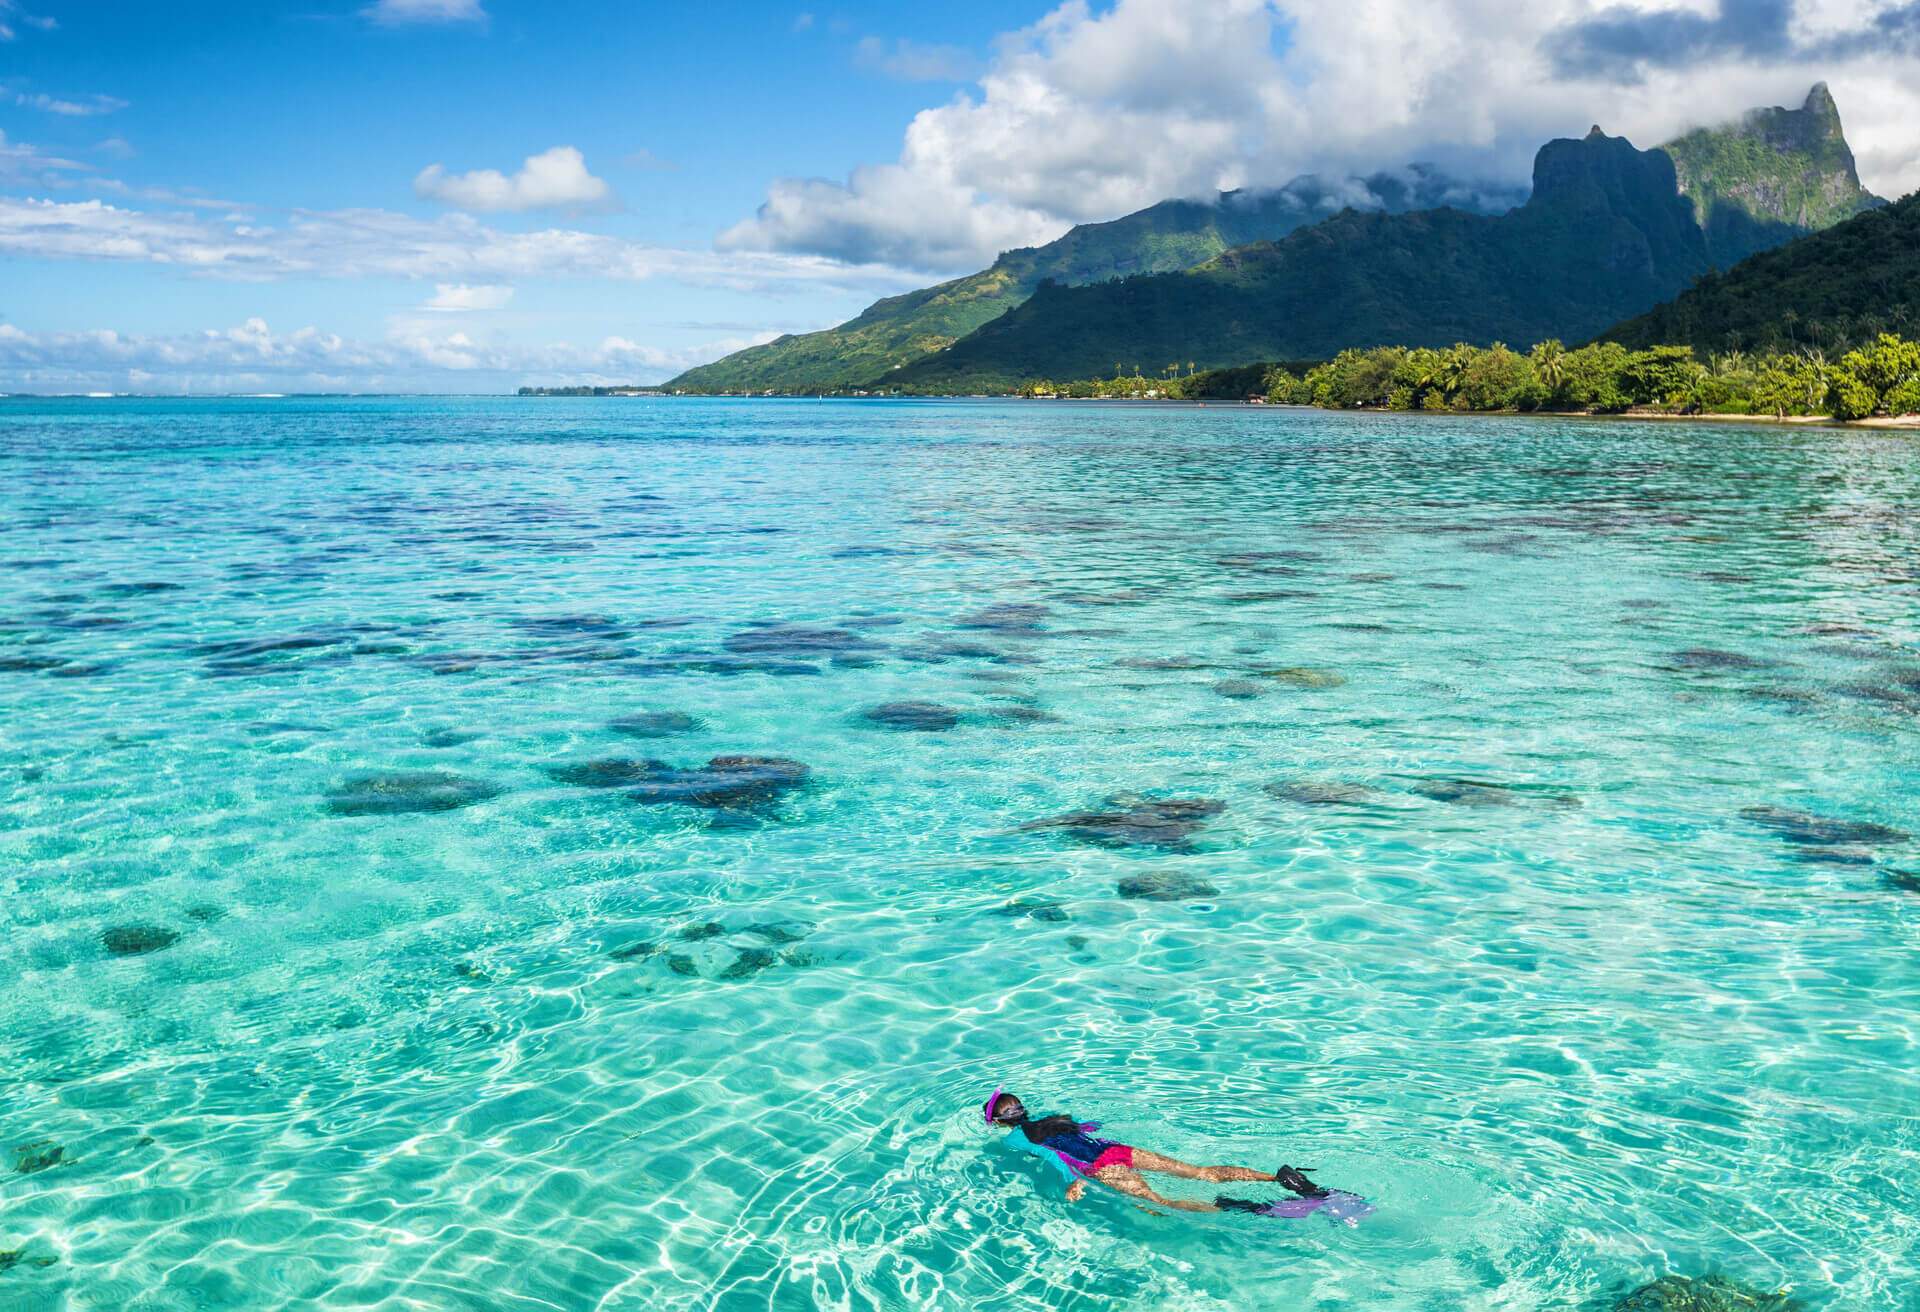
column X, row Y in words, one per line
column 1553, row 884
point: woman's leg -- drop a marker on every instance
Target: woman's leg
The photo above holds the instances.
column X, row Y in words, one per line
column 1146, row 1161
column 1128, row 1181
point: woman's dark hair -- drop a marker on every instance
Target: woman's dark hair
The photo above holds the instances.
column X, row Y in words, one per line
column 1048, row 1127
column 1009, row 1110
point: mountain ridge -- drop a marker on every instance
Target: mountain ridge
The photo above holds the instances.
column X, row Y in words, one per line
column 1745, row 186
column 1829, row 291
column 1604, row 233
column 1165, row 237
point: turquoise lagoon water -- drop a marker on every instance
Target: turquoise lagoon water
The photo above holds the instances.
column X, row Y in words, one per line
column 1560, row 900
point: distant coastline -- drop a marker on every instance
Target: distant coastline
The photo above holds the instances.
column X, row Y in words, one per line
column 1877, row 383
column 632, row 389
column 1909, row 421
column 1899, row 423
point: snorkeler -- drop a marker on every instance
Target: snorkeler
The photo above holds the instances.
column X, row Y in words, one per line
column 1070, row 1148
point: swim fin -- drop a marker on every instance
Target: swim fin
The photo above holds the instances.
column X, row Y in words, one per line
column 1338, row 1206
column 1297, row 1182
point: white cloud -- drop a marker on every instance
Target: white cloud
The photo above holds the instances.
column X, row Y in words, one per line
column 457, row 297
column 394, row 13
column 252, row 357
column 11, row 13
column 914, row 61
column 159, row 195
column 1091, row 113
column 892, row 214
column 379, row 243
column 638, row 360
column 83, row 107
column 553, row 179
column 21, row 163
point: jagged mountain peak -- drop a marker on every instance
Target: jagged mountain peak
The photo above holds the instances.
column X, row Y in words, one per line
column 1816, row 122
column 1606, row 227
column 1772, row 175
column 1599, row 170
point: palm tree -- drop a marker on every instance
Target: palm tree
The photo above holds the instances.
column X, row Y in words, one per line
column 1817, row 382
column 1550, row 363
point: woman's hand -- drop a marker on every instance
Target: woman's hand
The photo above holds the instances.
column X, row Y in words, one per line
column 1076, row 1191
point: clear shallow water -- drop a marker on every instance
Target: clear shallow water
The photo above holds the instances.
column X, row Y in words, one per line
column 1601, row 1023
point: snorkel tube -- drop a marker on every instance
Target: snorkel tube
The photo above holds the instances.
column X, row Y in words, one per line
column 988, row 1109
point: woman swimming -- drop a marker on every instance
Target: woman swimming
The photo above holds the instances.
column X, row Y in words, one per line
column 1070, row 1148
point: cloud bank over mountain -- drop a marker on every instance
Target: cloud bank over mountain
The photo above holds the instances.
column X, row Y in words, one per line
column 1094, row 112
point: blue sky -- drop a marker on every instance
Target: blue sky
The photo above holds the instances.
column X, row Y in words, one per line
column 469, row 194
column 684, row 113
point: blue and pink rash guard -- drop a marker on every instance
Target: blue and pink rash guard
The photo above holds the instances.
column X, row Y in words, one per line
column 1074, row 1154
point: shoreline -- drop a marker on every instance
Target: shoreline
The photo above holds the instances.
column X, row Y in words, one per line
column 1887, row 423
column 1896, row 423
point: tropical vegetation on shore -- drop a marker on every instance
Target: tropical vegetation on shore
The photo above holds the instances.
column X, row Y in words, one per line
column 1882, row 377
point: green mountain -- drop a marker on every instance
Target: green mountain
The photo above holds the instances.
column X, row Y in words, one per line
column 1775, row 175
column 1172, row 235
column 1588, row 252
column 1604, row 234
column 1833, row 290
